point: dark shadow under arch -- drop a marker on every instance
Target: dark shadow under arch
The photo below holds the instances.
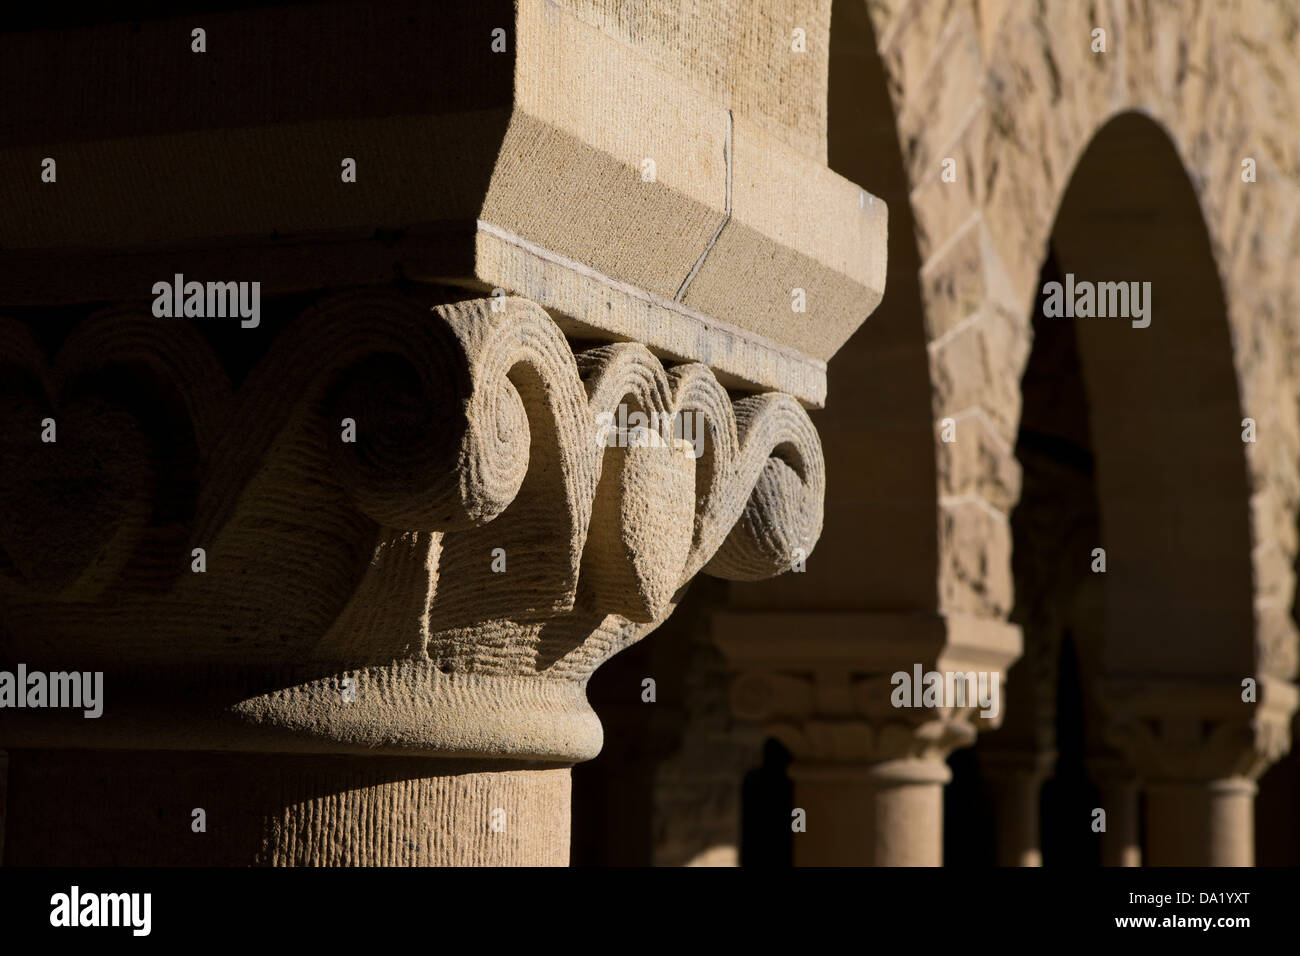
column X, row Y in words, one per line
column 1165, row 414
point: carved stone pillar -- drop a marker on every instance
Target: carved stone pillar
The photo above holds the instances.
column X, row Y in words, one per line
column 1199, row 748
column 868, row 775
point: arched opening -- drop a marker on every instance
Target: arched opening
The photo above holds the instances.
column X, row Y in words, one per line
column 1165, row 413
column 1131, row 445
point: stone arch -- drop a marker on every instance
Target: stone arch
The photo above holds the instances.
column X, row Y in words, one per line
column 1182, row 623
column 1016, row 99
column 1131, row 434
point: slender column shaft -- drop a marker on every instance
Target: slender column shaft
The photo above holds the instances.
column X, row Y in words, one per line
column 1201, row 822
column 883, row 814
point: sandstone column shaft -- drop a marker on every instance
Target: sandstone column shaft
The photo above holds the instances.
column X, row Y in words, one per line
column 134, row 808
column 1201, row 823
column 885, row 814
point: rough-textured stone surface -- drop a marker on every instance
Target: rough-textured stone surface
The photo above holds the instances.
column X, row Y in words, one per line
column 1014, row 95
column 134, row 809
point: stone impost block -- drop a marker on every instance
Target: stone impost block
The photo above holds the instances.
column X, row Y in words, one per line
column 645, row 181
column 1178, row 730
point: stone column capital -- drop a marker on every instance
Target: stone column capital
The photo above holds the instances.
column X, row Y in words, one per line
column 1184, row 730
column 826, row 684
column 412, row 529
